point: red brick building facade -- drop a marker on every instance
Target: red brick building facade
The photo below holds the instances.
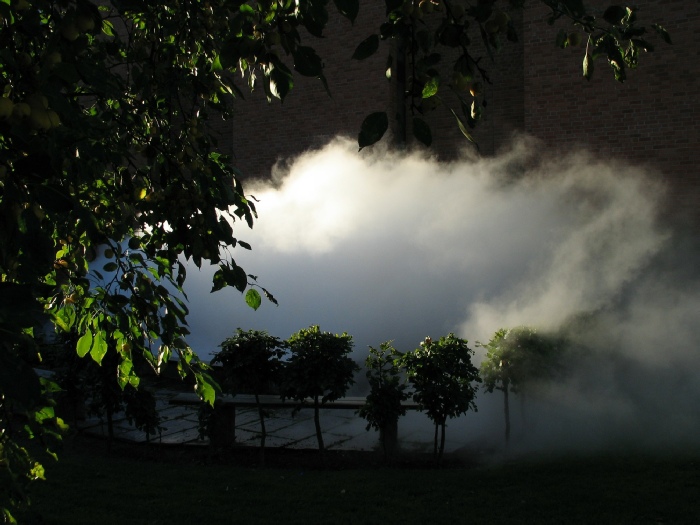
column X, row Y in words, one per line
column 537, row 88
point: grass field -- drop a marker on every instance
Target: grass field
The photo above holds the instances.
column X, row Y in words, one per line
column 130, row 485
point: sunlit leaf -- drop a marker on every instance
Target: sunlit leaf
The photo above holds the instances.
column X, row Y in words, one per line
column 463, row 128
column 107, row 27
column 84, row 344
column 125, row 371
column 253, row 299
column 587, row 66
column 99, row 347
column 204, row 387
column 431, row 87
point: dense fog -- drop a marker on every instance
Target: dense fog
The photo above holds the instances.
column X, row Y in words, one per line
column 396, row 246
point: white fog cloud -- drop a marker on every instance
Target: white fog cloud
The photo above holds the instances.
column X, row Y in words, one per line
column 397, row 246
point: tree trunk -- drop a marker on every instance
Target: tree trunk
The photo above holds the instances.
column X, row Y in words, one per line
column 523, row 415
column 388, row 436
column 435, row 443
column 506, row 411
column 110, row 424
column 317, row 422
column 263, row 432
column 442, row 443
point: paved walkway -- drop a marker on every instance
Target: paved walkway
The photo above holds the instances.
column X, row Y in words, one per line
column 342, row 429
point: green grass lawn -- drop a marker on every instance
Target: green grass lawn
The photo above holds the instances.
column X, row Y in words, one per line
column 91, row 486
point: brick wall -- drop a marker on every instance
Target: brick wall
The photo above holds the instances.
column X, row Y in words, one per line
column 650, row 120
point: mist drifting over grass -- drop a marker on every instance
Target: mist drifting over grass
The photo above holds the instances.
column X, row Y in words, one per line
column 388, row 245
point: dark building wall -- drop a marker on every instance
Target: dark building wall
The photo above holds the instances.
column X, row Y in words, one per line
column 650, row 120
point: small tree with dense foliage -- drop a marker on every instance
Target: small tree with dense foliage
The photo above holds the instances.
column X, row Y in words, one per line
column 319, row 368
column 387, row 393
column 516, row 359
column 250, row 363
column 443, row 376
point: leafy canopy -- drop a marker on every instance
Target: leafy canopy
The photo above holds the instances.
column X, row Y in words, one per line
column 387, row 390
column 319, row 365
column 250, row 362
column 443, row 377
column 520, row 357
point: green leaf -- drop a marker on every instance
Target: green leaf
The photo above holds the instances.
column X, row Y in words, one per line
column 99, row 347
column 65, row 318
column 348, row 8
column 84, row 344
column 125, row 372
column 431, row 87
column 663, row 33
column 204, row 386
column 643, row 44
column 270, row 297
column 587, row 66
column 280, row 80
column 247, row 10
column 307, row 62
column 367, row 48
column 107, row 28
column 253, row 299
column 464, row 129
column 373, row 128
column 422, row 132
column 562, row 39
column 164, row 354
column 475, row 111
column 218, row 280
column 614, row 14
column 110, row 267
column 237, row 278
